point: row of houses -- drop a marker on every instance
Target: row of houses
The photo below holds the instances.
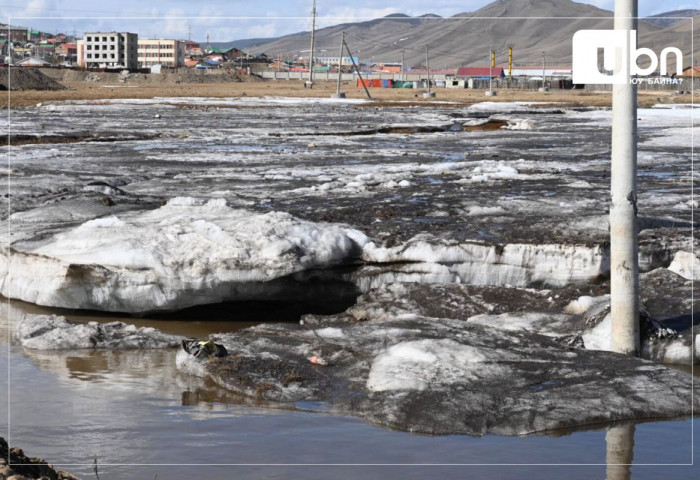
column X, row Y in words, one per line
column 28, row 47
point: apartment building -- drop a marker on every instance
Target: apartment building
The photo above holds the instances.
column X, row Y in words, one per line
column 110, row 49
column 169, row 53
column 13, row 33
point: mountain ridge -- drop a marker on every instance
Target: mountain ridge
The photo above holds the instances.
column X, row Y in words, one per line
column 466, row 38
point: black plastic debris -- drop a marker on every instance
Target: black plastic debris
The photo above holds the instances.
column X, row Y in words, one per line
column 203, row 348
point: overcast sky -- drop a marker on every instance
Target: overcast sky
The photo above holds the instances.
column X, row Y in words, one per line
column 216, row 18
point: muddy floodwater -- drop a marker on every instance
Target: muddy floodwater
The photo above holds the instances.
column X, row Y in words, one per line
column 412, row 188
column 133, row 408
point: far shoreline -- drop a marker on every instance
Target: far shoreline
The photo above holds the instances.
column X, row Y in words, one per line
column 295, row 89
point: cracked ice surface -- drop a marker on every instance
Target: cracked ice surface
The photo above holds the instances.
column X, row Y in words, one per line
column 503, row 207
column 442, row 376
column 49, row 332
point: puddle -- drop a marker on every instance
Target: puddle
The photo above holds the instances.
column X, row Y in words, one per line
column 134, row 408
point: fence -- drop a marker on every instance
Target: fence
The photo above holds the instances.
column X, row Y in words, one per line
column 349, row 77
column 419, row 81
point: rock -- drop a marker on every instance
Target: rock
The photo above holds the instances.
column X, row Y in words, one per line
column 25, row 468
column 49, row 332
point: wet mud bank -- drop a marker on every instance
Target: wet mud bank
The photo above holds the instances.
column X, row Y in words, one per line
column 14, row 464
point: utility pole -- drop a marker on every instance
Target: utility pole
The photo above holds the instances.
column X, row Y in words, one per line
column 310, row 84
column 403, row 62
column 340, row 63
column 189, row 32
column 510, row 62
column 619, row 454
column 543, row 88
column 492, row 61
column 543, row 68
column 428, row 94
column 624, row 256
column 357, row 69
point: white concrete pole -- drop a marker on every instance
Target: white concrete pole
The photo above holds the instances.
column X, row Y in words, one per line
column 340, row 62
column 338, row 94
column 427, row 66
column 624, row 266
column 619, row 442
column 429, row 93
column 544, row 88
column 311, row 54
column 403, row 62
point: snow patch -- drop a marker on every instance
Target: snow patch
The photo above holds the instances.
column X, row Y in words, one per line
column 423, row 364
column 686, row 265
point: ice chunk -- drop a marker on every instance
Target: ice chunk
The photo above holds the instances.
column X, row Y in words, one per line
column 518, row 124
column 686, row 265
column 49, row 332
column 185, row 253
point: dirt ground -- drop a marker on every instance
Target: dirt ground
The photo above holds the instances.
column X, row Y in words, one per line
column 27, row 79
column 81, row 90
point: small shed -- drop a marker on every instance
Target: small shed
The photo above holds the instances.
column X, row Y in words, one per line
column 33, row 62
column 481, row 72
column 693, row 72
column 454, row 82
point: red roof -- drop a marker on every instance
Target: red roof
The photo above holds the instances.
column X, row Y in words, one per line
column 479, row 71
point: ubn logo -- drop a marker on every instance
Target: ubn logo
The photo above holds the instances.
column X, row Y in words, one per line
column 618, row 46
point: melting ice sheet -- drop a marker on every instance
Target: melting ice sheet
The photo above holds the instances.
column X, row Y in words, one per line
column 184, row 253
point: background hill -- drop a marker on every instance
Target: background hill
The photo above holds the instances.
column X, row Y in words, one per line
column 465, row 39
column 667, row 19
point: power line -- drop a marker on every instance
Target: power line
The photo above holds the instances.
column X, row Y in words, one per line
column 60, row 9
